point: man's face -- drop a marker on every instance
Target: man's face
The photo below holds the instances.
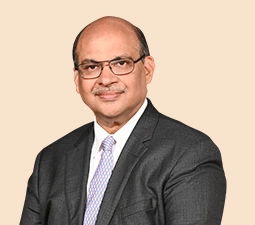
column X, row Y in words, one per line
column 112, row 98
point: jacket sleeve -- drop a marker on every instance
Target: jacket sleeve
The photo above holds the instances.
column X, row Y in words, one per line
column 196, row 188
column 31, row 210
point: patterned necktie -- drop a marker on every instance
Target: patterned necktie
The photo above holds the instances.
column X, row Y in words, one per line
column 99, row 182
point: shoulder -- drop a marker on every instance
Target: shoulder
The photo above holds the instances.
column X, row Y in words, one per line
column 68, row 141
column 179, row 130
column 169, row 128
column 184, row 143
column 165, row 131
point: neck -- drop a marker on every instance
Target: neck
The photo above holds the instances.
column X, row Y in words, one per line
column 111, row 127
column 111, row 124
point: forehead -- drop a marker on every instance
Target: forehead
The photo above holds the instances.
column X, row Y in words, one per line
column 106, row 40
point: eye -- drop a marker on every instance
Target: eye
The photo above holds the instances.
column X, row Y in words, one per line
column 89, row 67
column 121, row 63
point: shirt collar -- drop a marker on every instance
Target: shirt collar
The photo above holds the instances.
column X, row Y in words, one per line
column 122, row 135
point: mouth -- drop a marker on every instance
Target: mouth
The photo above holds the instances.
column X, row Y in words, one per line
column 109, row 96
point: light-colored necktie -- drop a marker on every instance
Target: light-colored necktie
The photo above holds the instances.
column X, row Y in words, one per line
column 99, row 182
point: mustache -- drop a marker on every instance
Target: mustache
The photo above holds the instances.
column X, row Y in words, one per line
column 108, row 89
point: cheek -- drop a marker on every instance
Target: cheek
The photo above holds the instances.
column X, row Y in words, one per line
column 141, row 80
column 138, row 87
column 85, row 88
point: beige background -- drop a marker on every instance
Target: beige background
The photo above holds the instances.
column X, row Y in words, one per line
column 204, row 52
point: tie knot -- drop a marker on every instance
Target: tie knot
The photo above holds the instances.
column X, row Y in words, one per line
column 107, row 143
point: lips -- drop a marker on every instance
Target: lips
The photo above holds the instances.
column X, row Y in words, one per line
column 109, row 96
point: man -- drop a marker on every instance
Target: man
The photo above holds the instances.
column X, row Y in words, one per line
column 162, row 171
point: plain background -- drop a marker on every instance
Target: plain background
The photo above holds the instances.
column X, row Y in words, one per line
column 205, row 67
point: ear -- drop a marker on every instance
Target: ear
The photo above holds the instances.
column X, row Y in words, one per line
column 149, row 67
column 76, row 80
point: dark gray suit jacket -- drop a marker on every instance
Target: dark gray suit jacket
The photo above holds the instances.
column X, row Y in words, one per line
column 167, row 174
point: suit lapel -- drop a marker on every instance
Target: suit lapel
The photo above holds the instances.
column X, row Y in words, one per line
column 76, row 176
column 130, row 155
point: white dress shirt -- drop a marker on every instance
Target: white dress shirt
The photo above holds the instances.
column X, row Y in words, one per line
column 120, row 137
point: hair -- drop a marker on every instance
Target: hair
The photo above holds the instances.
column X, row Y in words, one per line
column 143, row 46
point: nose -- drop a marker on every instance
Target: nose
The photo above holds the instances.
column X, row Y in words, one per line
column 103, row 66
column 107, row 77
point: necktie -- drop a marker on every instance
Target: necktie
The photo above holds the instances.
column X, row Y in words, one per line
column 99, row 182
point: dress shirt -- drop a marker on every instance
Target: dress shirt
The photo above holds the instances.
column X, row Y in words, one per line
column 121, row 137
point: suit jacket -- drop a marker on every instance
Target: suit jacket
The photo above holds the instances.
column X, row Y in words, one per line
column 167, row 174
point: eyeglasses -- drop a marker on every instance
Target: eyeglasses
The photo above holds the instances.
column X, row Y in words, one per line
column 93, row 69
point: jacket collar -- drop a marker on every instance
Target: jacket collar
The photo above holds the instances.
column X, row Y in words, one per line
column 77, row 168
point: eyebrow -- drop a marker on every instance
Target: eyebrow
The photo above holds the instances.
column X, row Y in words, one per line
column 94, row 61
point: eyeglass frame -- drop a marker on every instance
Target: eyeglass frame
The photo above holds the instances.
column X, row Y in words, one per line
column 108, row 64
